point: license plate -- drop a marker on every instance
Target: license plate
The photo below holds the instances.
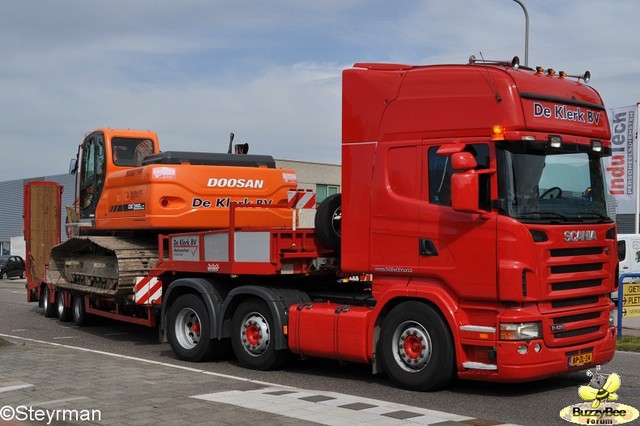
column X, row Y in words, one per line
column 582, row 359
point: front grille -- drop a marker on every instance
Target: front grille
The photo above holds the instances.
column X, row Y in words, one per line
column 572, row 285
column 568, row 303
column 576, row 310
column 574, row 268
column 581, row 251
column 586, row 326
column 574, row 318
column 578, row 332
column 581, row 267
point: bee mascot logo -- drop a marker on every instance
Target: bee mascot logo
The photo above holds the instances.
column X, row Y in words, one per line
column 602, row 387
column 600, row 406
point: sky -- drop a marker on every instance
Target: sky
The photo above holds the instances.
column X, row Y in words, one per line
column 268, row 71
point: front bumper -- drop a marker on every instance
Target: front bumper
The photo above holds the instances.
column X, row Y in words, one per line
column 513, row 366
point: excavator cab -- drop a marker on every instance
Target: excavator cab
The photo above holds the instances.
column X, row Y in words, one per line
column 101, row 153
column 92, row 172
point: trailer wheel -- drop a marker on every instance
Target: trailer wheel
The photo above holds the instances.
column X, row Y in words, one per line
column 328, row 221
column 78, row 312
column 49, row 308
column 64, row 312
column 416, row 347
column 189, row 330
column 252, row 337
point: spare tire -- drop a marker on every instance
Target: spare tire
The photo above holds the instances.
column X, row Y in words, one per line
column 328, row 222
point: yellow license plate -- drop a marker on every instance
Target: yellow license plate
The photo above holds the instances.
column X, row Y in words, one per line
column 582, row 359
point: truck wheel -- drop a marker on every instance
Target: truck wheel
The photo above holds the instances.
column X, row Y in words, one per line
column 252, row 337
column 189, row 330
column 328, row 221
column 78, row 312
column 49, row 308
column 64, row 312
column 416, row 347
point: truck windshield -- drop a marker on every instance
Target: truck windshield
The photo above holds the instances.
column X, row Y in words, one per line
column 552, row 186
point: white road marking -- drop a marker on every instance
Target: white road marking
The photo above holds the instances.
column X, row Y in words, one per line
column 58, row 401
column 330, row 408
column 65, row 337
column 16, row 386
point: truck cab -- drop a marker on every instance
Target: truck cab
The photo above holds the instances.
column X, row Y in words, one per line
column 479, row 189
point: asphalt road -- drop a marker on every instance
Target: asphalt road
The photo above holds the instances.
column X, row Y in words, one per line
column 536, row 403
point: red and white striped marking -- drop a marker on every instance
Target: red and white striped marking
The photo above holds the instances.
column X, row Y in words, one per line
column 301, row 199
column 148, row 291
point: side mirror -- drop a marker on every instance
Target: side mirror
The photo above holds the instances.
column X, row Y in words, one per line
column 73, row 166
column 463, row 161
column 465, row 192
column 465, row 184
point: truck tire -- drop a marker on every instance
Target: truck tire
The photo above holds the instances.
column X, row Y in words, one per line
column 189, row 328
column 64, row 312
column 48, row 307
column 252, row 337
column 328, row 221
column 78, row 312
column 416, row 347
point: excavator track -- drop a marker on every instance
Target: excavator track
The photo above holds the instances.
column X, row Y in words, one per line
column 101, row 265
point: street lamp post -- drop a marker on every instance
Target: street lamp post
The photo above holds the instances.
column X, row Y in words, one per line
column 526, row 33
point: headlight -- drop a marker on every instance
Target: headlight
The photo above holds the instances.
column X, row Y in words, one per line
column 520, row 331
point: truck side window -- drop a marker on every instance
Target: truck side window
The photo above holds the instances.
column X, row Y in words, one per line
column 440, row 172
column 439, row 178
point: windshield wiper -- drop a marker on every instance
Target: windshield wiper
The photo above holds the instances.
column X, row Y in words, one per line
column 542, row 215
column 592, row 215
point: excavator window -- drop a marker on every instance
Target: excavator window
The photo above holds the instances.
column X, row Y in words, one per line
column 130, row 152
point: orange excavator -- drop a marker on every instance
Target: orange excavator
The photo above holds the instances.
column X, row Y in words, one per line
column 128, row 192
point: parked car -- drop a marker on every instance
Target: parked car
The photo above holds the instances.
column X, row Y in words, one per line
column 11, row 267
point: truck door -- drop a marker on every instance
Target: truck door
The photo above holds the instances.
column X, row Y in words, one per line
column 395, row 198
column 458, row 248
column 91, row 176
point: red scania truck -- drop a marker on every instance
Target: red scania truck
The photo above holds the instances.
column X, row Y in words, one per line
column 471, row 239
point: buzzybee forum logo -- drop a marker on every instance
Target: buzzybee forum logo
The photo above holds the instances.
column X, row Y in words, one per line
column 600, row 406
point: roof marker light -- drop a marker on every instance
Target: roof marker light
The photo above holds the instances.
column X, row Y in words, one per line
column 562, row 74
column 539, row 69
column 596, row 146
column 551, row 71
column 497, row 132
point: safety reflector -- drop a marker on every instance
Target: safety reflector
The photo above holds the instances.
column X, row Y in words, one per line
column 301, row 199
column 148, row 291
